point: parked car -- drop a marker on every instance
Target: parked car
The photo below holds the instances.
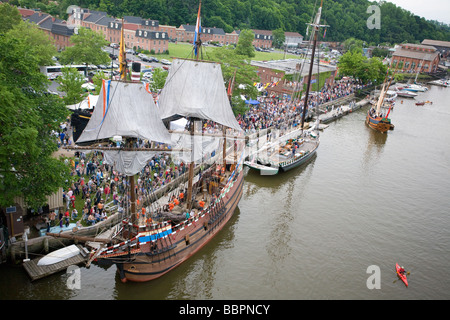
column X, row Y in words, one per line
column 147, row 75
column 166, row 62
column 114, row 45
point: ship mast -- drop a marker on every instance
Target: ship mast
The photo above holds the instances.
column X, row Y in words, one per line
column 315, row 31
column 197, row 48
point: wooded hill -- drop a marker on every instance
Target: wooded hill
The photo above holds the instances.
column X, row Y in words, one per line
column 346, row 18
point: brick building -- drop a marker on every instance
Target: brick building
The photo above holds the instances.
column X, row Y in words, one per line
column 272, row 75
column 263, row 38
column 416, row 58
column 186, row 33
column 56, row 29
column 442, row 46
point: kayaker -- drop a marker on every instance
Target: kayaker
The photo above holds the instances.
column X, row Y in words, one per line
column 402, row 270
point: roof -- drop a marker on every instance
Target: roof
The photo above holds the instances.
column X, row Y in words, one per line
column 219, row 31
column 205, row 30
column 289, row 66
column 436, row 43
column 93, row 17
column 104, row 21
column 25, row 12
column 48, row 23
column 115, row 24
column 37, row 17
column 150, row 23
column 416, row 51
column 152, row 34
column 188, row 27
column 292, row 34
column 420, row 55
column 62, row 29
column 263, row 32
column 413, row 46
column 132, row 19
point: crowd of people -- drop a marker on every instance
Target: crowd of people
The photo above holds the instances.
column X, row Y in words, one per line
column 98, row 184
column 275, row 111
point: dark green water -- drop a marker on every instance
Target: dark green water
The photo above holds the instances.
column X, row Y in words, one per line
column 365, row 199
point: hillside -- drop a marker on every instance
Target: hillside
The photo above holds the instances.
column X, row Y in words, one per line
column 347, row 18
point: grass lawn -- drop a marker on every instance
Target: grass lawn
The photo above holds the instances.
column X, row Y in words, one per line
column 184, row 50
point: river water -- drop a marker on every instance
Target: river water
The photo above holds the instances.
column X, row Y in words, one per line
column 366, row 199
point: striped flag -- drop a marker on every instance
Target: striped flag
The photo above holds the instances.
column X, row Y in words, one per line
column 198, row 30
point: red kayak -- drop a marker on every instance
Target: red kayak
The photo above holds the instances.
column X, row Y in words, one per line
column 402, row 276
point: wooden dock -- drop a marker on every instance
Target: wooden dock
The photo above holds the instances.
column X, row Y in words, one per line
column 37, row 272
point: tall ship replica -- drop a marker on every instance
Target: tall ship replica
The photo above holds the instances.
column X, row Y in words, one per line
column 377, row 118
column 298, row 146
column 164, row 230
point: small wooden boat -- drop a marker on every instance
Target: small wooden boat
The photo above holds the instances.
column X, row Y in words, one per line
column 287, row 152
column 379, row 123
column 421, row 103
column 406, row 94
column 59, row 255
column 440, row 82
column 376, row 119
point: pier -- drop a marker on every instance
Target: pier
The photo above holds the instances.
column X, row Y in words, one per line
column 38, row 272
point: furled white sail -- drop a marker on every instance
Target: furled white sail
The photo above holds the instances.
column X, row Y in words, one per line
column 125, row 109
column 128, row 162
column 196, row 89
column 197, row 148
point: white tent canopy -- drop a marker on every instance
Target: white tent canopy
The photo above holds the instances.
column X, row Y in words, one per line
column 88, row 103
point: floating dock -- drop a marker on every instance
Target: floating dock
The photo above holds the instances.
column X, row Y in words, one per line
column 38, row 272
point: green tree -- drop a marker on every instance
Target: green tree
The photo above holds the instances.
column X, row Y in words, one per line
column 244, row 46
column 158, row 79
column 97, row 79
column 356, row 65
column 10, row 17
column 238, row 66
column 353, row 44
column 70, row 82
column 278, row 38
column 87, row 49
column 29, row 116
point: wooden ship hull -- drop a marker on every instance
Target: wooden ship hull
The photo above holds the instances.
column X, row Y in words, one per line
column 379, row 123
column 286, row 163
column 157, row 249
